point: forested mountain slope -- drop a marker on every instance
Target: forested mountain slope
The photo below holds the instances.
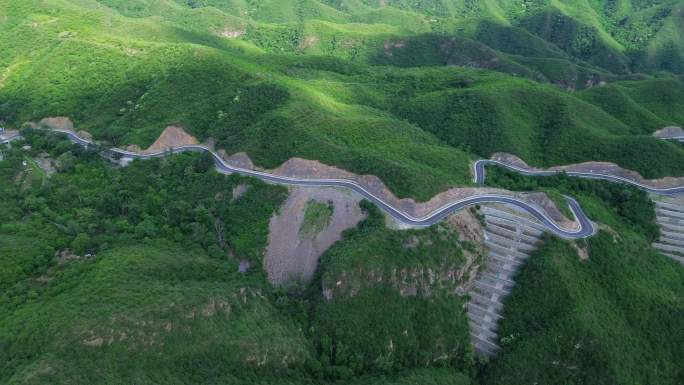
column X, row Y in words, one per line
column 346, row 82
column 152, row 273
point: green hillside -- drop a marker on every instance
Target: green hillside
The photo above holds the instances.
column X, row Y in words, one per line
column 611, row 317
column 132, row 275
column 135, row 275
column 346, row 82
column 119, row 275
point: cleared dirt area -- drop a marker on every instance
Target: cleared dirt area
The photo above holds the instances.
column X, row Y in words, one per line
column 239, row 159
column 58, row 122
column 293, row 254
column 595, row 167
column 172, row 136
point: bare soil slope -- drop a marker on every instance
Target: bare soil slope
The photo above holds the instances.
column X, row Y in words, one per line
column 292, row 254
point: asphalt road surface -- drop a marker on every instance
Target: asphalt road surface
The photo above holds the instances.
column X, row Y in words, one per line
column 480, row 175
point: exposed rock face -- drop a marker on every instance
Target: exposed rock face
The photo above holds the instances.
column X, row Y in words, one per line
column 292, row 255
column 454, row 275
column 409, row 281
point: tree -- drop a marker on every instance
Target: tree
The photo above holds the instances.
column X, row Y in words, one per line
column 80, row 244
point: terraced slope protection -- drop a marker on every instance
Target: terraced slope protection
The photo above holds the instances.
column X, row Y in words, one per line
column 670, row 217
column 509, row 238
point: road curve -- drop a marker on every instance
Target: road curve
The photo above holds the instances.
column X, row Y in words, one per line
column 7, row 140
column 585, row 229
column 480, row 174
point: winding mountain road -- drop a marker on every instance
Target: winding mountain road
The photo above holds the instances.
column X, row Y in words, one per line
column 585, row 229
column 7, row 140
column 480, row 174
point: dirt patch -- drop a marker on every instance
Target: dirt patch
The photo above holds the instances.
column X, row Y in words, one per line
column 84, row 134
column 131, row 51
column 391, row 45
column 595, row 167
column 46, row 163
column 307, row 43
column 67, row 256
column 293, row 255
column 582, row 252
column 133, row 148
column 172, row 137
column 232, row 33
column 468, row 226
column 512, row 160
column 239, row 159
column 669, row 132
column 58, row 122
column 244, row 266
column 94, row 342
column 239, row 191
